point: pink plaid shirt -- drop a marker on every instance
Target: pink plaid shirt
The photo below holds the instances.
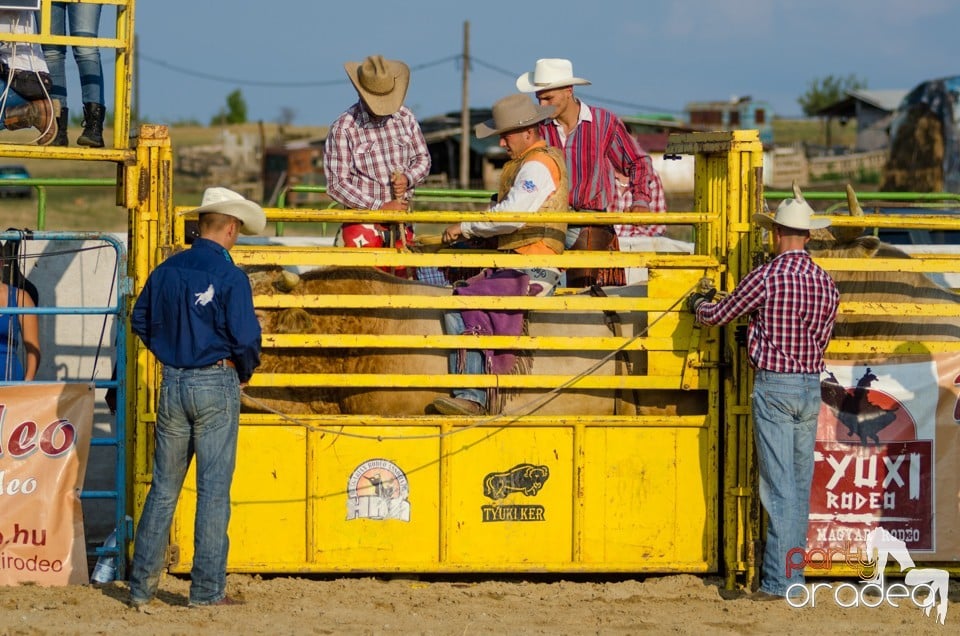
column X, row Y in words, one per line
column 361, row 154
column 792, row 305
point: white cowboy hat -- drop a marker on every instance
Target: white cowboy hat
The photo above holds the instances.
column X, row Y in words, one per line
column 226, row 201
column 549, row 73
column 382, row 84
column 513, row 112
column 793, row 213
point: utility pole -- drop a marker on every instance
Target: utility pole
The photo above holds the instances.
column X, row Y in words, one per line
column 465, row 111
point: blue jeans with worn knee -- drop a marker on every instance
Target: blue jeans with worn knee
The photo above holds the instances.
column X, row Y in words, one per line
column 84, row 21
column 785, row 410
column 453, row 325
column 198, row 415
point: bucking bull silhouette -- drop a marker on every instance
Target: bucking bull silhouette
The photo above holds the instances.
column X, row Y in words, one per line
column 524, row 478
column 863, row 286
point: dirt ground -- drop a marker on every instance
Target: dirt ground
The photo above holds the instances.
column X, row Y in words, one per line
column 679, row 604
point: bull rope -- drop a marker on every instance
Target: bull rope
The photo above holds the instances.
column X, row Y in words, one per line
column 520, row 410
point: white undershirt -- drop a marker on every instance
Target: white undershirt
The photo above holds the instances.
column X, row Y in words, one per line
column 530, row 190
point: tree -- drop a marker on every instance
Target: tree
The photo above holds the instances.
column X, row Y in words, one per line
column 234, row 113
column 825, row 91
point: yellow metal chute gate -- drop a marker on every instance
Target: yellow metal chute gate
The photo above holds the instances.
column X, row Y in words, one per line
column 556, row 492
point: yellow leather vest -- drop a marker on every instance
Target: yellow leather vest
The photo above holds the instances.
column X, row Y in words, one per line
column 551, row 234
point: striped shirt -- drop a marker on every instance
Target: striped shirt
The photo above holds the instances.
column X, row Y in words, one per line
column 792, row 305
column 598, row 145
column 361, row 154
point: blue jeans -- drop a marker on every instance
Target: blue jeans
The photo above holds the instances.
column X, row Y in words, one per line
column 199, row 414
column 453, row 325
column 84, row 22
column 785, row 410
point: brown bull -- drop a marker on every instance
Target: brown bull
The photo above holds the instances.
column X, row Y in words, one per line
column 425, row 322
column 880, row 286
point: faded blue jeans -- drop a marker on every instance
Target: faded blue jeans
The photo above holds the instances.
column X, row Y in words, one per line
column 84, row 20
column 198, row 415
column 785, row 410
column 453, row 325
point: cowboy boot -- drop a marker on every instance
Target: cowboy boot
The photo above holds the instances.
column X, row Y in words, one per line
column 62, row 121
column 92, row 135
column 40, row 114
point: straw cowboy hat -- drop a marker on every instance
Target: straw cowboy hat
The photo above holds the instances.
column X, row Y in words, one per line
column 382, row 84
column 225, row 201
column 549, row 73
column 513, row 112
column 793, row 213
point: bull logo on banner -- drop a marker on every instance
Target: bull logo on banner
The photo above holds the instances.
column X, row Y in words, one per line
column 874, row 456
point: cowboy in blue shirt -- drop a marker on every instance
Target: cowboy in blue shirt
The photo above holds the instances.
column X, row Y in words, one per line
column 196, row 315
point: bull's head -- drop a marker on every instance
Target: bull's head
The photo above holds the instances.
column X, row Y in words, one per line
column 835, row 237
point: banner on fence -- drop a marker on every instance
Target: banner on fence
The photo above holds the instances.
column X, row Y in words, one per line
column 886, row 449
column 45, row 434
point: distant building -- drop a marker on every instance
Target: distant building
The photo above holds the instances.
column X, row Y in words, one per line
column 443, row 134
column 873, row 112
column 736, row 114
column 292, row 163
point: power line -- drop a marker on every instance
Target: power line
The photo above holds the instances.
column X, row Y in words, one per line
column 457, row 57
column 247, row 82
column 592, row 98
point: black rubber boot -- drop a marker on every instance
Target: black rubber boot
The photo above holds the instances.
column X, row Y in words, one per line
column 92, row 135
column 61, row 138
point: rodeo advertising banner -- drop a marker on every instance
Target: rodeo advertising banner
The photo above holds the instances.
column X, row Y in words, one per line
column 887, row 449
column 45, row 434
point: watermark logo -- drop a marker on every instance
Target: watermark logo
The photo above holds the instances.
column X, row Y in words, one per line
column 926, row 588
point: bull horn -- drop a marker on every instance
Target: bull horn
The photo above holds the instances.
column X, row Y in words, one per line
column 797, row 194
column 853, row 204
column 287, row 282
column 849, row 233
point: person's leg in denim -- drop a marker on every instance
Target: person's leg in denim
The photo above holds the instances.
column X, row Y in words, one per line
column 785, row 409
column 84, row 22
column 215, row 406
column 173, row 437
column 55, row 54
column 198, row 415
column 473, row 360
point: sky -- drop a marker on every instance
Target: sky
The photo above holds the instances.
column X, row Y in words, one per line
column 641, row 56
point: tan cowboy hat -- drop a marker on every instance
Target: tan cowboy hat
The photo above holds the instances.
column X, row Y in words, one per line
column 226, row 201
column 382, row 84
column 549, row 73
column 513, row 112
column 793, row 213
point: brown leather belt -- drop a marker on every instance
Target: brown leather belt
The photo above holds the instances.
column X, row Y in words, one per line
column 225, row 363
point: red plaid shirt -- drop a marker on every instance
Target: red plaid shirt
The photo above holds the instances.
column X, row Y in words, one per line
column 361, row 154
column 792, row 304
column 625, row 202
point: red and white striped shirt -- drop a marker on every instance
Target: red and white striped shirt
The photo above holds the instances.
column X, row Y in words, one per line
column 792, row 305
column 361, row 154
column 599, row 145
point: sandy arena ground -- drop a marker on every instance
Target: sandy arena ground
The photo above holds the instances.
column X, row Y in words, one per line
column 679, row 604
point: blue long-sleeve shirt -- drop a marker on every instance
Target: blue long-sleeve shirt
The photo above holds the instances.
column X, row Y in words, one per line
column 196, row 309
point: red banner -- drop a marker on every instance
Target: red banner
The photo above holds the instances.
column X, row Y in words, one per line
column 44, row 444
column 886, row 456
